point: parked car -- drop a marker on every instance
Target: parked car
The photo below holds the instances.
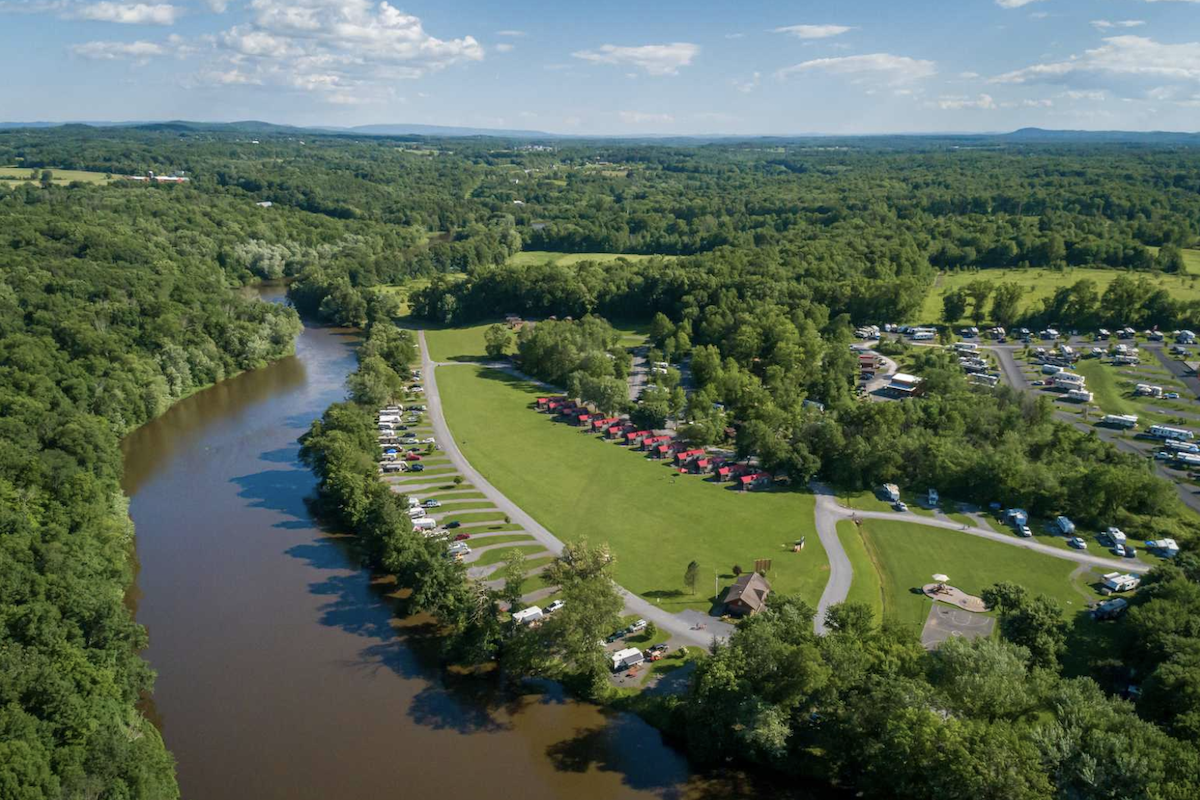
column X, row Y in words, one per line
column 462, row 537
column 417, row 468
column 640, row 625
column 453, row 524
column 1038, row 382
column 1077, row 543
column 901, row 505
column 1130, row 551
column 615, row 636
column 412, row 457
column 1171, row 396
column 1118, row 550
column 429, row 440
column 555, row 606
column 1162, row 455
column 432, row 504
column 1025, row 532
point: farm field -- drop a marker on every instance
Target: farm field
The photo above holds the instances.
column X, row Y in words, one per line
column 61, row 176
column 655, row 520
column 528, row 257
column 907, row 555
column 1042, row 283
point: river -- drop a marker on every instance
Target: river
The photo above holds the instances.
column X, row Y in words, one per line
column 284, row 673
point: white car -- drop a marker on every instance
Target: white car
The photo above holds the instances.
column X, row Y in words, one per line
column 1025, row 532
column 432, row 504
column 555, row 606
column 901, row 505
column 429, row 440
column 1077, row 543
column 637, row 626
column 1171, row 396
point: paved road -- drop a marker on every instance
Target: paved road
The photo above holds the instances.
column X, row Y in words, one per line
column 841, row 573
column 679, row 628
column 639, row 372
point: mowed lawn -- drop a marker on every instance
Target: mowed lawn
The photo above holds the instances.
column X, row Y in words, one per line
column 906, row 556
column 528, row 257
column 460, row 344
column 656, row 521
column 1042, row 283
column 864, row 587
column 61, row 177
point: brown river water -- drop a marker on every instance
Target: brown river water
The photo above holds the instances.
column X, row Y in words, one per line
column 284, row 673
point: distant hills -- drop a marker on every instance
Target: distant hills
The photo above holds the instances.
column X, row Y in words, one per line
column 1024, row 135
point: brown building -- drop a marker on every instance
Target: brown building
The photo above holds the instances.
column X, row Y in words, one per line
column 748, row 595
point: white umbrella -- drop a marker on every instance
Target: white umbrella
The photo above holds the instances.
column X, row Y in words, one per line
column 940, row 578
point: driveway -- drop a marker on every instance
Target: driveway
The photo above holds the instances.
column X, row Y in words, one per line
column 677, row 626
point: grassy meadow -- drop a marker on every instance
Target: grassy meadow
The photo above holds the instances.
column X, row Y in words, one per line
column 12, row 176
column 656, row 521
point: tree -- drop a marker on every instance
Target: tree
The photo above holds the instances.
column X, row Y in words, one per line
column 1034, row 622
column 497, row 339
column 661, row 329
column 513, row 575
column 978, row 291
column 1006, row 301
column 691, row 575
column 954, row 306
column 47, row 179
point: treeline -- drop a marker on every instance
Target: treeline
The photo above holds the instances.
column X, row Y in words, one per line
column 869, row 709
column 110, row 310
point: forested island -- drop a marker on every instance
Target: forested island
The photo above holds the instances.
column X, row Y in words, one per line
column 753, row 261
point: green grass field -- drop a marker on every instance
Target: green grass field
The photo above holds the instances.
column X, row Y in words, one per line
column 655, row 521
column 528, row 257
column 459, row 344
column 907, row 555
column 1042, row 283
column 61, row 176
column 865, row 586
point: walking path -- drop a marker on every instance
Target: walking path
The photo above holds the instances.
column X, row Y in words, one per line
column 678, row 627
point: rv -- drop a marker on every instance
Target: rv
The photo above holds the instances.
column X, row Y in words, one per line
column 1120, row 420
column 527, row 615
column 891, row 492
column 1117, row 582
column 923, row 335
column 629, row 657
column 1167, row 432
column 1067, row 380
column 1079, row 395
column 966, row 347
column 424, row 524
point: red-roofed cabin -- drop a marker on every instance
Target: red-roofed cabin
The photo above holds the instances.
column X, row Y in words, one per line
column 683, row 456
column 582, row 419
column 603, row 424
column 755, row 480
column 541, row 403
column 727, row 472
column 699, row 466
column 635, row 437
column 614, row 431
column 650, row 442
column 662, row 451
column 554, row 405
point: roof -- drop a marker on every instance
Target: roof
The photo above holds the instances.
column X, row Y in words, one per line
column 753, row 477
column 751, row 589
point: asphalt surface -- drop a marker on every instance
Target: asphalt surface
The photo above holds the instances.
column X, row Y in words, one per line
column 683, row 628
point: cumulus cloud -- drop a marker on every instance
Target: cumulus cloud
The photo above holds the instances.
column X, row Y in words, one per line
column 1126, row 59
column 119, row 51
column 873, row 67
column 748, row 86
column 813, row 31
column 130, row 13
column 1104, row 25
column 958, row 102
column 653, row 59
column 643, row 118
column 347, row 51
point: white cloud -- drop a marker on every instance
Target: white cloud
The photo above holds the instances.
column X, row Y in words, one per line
column 877, row 67
column 346, row 51
column 119, row 51
column 654, row 59
column 643, row 118
column 1104, row 25
column 1121, row 58
column 510, row 33
column 1014, row 3
column 958, row 102
column 130, row 13
column 1087, row 94
column 748, row 86
column 217, row 6
column 968, row 75
column 505, row 47
column 233, row 77
column 813, row 31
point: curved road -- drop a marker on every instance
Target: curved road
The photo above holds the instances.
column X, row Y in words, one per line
column 678, row 625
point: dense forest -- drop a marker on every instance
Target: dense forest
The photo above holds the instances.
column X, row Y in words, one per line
column 758, row 258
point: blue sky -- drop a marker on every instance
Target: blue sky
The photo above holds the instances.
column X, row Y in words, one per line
column 700, row 66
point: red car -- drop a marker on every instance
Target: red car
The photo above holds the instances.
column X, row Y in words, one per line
column 462, row 536
column 412, row 457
